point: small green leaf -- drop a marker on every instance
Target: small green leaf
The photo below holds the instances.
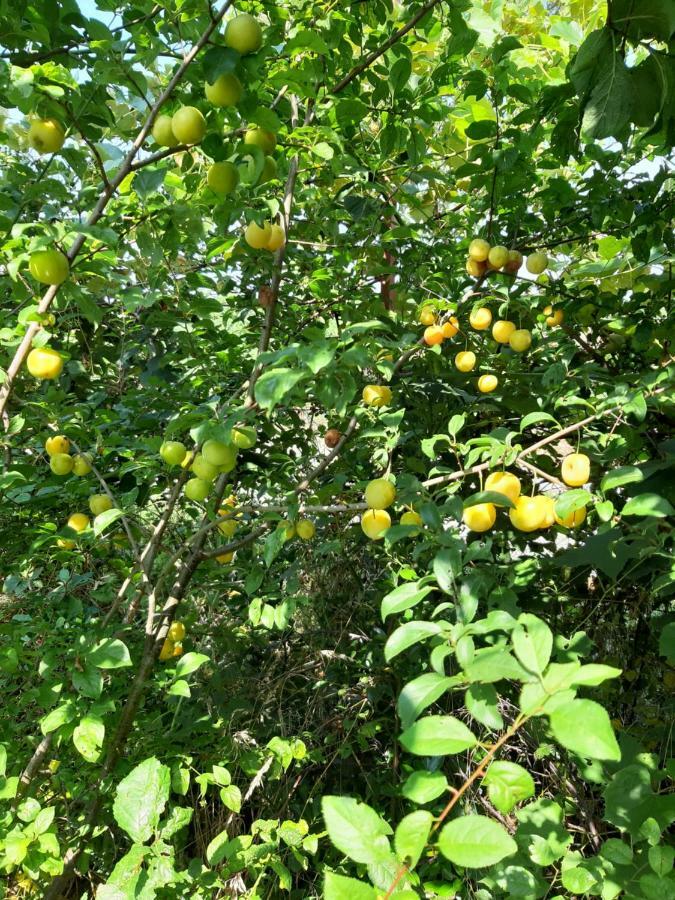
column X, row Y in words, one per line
column 275, row 385
column 339, row 887
column 508, row 784
column 533, row 643
column 407, row 635
column 583, row 727
column 190, row 663
column 104, row 519
column 481, row 701
column 593, row 674
column 109, row 653
column 423, row 786
column 88, row 737
column 420, row 693
column 437, row 736
column 405, row 596
column 648, row 505
column 356, row 829
column 489, row 497
column 475, row 842
column 411, row 836
column 618, row 477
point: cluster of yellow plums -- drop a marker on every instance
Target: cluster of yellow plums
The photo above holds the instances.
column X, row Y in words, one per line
column 529, row 513
column 173, row 645
column 483, row 258
column 379, row 495
column 61, row 462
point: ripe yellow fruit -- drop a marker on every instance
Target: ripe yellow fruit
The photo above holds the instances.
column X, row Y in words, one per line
column 502, row 330
column 222, row 178
column 514, row 262
column 374, row 522
column 536, row 262
column 46, row 135
column 451, row 327
column 218, row 454
column 503, row 483
column 377, row 395
column 61, row 464
column 575, row 469
column 520, row 340
column 573, row 519
column 229, row 526
column 99, row 503
column 498, row 256
column 176, row 632
column 480, row 517
column 226, row 90
column 528, row 514
column 480, row 318
column 197, row 489
column 225, row 558
column 465, row 360
column 57, row 444
column 256, row 237
column 81, row 464
column 479, row 250
column 178, row 650
column 162, row 132
column 49, row 266
column 78, row 522
column 203, row 469
column 547, row 507
column 433, row 335
column 277, row 238
column 65, row 544
column 487, row 383
column 244, row 34
column 44, row 363
column 379, row 493
column 305, row 529
column 553, row 316
column 167, row 650
column 427, row 316
column 475, row 268
column 260, row 137
column 188, row 125
column 411, row 518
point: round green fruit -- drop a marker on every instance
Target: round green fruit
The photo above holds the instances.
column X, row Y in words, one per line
column 226, row 90
column 203, row 468
column 46, row 135
column 99, row 503
column 163, row 132
column 173, row 452
column 269, row 170
column 305, row 529
column 197, row 489
column 259, row 137
column 219, row 454
column 244, row 437
column 222, row 178
column 82, row 464
column 244, row 34
column 61, row 464
column 188, row 125
column 49, row 266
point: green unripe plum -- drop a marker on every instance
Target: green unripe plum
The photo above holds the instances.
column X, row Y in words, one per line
column 219, row 454
column 244, row 34
column 173, row 452
column 163, row 132
column 269, row 170
column 49, row 266
column 260, row 137
column 226, row 90
column 197, row 489
column 244, row 437
column 46, row 135
column 188, row 125
column 61, row 464
column 536, row 262
column 204, row 469
column 99, row 503
column 82, row 464
column 222, row 178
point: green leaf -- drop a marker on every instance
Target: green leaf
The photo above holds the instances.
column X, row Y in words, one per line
column 140, row 799
column 661, row 859
column 492, row 664
column 189, row 663
column 583, row 727
column 88, row 682
column 447, row 568
column 110, row 653
column 618, row 477
column 218, row 61
column 411, row 836
column 88, row 737
column 570, row 501
column 534, row 417
column 532, row 643
column 58, row 717
column 648, row 505
column 405, row 596
column 356, row 829
column 617, row 852
column 276, row 384
column 475, row 842
column 481, row 701
column 179, row 817
column 231, row 797
column 216, row 850
column 407, row 635
column 593, row 674
column 578, row 880
column 489, row 497
column 104, row 519
column 508, row 784
column 437, row 736
column 423, row 786
column 339, row 887
column 420, row 693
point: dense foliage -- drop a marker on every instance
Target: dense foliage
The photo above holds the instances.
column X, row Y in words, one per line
column 216, row 684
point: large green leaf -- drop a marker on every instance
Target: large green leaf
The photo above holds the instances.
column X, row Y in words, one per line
column 437, row 736
column 356, row 829
column 583, row 727
column 140, row 799
column 475, row 842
